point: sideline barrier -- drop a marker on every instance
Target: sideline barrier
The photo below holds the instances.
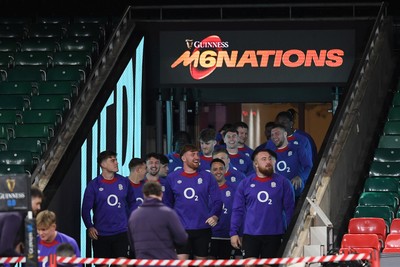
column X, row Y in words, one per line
column 145, row 262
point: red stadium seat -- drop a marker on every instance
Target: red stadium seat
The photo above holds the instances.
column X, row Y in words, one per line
column 392, row 244
column 369, row 226
column 395, row 226
column 362, row 243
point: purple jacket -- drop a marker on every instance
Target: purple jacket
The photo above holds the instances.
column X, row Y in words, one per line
column 154, row 230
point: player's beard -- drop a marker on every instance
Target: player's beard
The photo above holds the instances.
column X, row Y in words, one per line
column 193, row 165
column 268, row 170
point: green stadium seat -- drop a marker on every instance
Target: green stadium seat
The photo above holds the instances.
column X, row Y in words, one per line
column 26, row 73
column 15, row 102
column 392, row 128
column 101, row 20
column 66, row 88
column 387, row 155
column 16, row 88
column 73, row 58
column 39, row 44
column 41, row 131
column 6, row 59
column 4, row 136
column 66, row 73
column 379, row 199
column 58, row 102
column 33, row 58
column 9, row 45
column 11, row 169
column 396, row 99
column 32, row 144
column 92, row 30
column 79, row 44
column 23, row 158
column 394, row 114
column 391, row 169
column 389, row 141
column 45, row 30
column 9, row 116
column 12, row 31
column 15, row 20
column 49, row 116
column 383, row 212
column 53, row 20
column 381, row 184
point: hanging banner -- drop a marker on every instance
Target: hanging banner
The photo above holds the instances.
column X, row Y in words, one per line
column 14, row 192
column 249, row 57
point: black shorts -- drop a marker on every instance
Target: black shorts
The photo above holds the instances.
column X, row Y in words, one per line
column 261, row 246
column 198, row 242
column 112, row 246
column 221, row 249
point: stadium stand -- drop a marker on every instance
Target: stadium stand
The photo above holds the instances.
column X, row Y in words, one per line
column 43, row 63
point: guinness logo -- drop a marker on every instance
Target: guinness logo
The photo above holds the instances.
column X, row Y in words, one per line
column 189, row 43
column 10, row 184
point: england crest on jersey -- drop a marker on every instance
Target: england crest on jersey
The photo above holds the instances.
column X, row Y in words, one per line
column 200, row 181
column 233, row 179
column 290, row 153
column 241, row 161
column 228, row 193
column 273, row 184
column 179, row 181
column 252, row 185
column 101, row 189
column 120, row 187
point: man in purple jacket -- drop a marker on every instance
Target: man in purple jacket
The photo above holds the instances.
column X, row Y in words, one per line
column 155, row 229
column 263, row 205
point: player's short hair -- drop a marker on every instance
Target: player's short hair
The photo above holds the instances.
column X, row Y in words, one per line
column 269, row 151
column 187, row 148
column 290, row 114
column 45, row 218
column 152, row 155
column 105, row 155
column 232, row 130
column 65, row 250
column 152, row 188
column 220, row 150
column 217, row 160
column 36, row 192
column 278, row 125
column 208, row 134
column 135, row 162
column 241, row 124
column 163, row 159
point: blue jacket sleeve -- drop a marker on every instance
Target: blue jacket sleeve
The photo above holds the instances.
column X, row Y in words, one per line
column 131, row 198
column 306, row 164
column 87, row 205
column 168, row 197
column 288, row 200
column 215, row 198
column 238, row 210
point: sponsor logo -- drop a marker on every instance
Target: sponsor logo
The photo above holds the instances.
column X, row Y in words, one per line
column 205, row 56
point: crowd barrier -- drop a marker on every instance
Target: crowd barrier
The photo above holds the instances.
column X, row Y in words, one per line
column 208, row 262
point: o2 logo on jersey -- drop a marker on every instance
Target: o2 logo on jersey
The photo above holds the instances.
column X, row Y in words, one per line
column 139, row 200
column 263, row 197
column 112, row 200
column 282, row 166
column 190, row 193
column 224, row 209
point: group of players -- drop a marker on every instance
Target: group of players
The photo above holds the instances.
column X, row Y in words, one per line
column 232, row 201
